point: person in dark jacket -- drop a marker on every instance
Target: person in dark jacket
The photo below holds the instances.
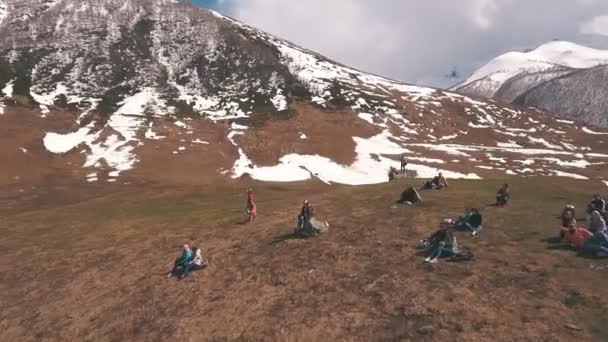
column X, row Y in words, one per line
column 182, row 261
column 409, row 196
column 441, row 243
column 503, row 195
column 392, row 174
column 597, row 203
column 306, row 213
column 403, row 163
column 475, row 221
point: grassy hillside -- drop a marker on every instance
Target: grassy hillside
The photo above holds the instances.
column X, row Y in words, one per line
column 92, row 266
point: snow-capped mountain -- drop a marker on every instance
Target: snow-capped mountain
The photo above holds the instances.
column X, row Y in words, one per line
column 511, row 76
column 114, row 88
column 551, row 58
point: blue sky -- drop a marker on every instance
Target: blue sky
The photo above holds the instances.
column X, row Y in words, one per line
column 208, row 3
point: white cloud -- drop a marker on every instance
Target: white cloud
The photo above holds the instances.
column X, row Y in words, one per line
column 414, row 40
column 597, row 25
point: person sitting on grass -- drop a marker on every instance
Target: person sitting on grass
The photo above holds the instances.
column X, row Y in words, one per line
column 503, row 195
column 596, row 244
column 182, row 261
column 461, row 222
column 597, row 223
column 441, row 244
column 474, row 222
column 437, row 183
column 597, row 203
column 409, row 196
column 568, row 218
column 196, row 264
column 392, row 174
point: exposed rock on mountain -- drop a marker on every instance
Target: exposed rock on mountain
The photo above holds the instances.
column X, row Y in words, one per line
column 160, row 89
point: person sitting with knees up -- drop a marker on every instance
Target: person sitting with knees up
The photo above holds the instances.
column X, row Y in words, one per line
column 568, row 218
column 409, row 196
column 474, row 222
column 597, row 203
column 392, row 174
column 195, row 264
column 503, row 195
column 182, row 261
column 441, row 244
column 437, row 183
column 597, row 223
column 461, row 222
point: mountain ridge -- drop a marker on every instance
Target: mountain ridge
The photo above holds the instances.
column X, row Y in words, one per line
column 144, row 76
column 513, row 76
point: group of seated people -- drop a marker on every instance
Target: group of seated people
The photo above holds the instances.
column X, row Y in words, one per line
column 443, row 243
column 189, row 260
column 593, row 238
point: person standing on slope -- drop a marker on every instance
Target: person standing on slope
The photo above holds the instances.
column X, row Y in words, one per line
column 251, row 207
column 403, row 163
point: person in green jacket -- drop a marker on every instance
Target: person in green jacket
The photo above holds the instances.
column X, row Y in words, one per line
column 182, row 261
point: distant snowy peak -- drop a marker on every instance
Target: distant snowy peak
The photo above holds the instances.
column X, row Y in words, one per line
column 488, row 79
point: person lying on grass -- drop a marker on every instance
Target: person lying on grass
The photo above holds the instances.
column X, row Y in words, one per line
column 503, row 195
column 182, row 261
column 575, row 236
column 586, row 242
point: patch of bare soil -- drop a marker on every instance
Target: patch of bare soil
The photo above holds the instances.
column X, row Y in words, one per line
column 328, row 133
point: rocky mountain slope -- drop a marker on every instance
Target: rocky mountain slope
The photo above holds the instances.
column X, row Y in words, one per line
column 157, row 89
column 514, row 77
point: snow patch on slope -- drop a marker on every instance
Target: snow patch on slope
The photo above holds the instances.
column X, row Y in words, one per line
column 369, row 166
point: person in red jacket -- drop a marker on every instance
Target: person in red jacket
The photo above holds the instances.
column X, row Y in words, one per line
column 250, row 196
column 576, row 237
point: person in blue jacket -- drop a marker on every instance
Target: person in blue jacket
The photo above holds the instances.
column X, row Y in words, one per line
column 182, row 261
